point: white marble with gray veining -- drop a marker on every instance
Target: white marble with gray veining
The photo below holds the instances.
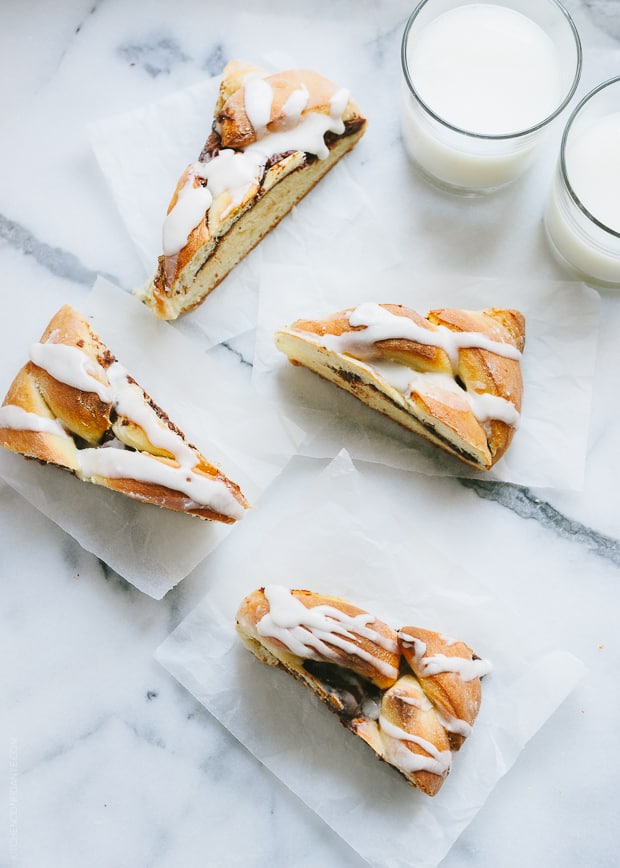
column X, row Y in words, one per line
column 108, row 762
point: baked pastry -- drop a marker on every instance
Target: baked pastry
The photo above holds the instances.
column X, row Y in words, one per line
column 273, row 138
column 412, row 695
column 453, row 377
column 74, row 405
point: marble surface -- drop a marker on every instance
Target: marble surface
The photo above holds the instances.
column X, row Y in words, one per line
column 107, row 760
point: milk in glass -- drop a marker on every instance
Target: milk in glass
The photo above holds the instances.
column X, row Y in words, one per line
column 591, row 168
column 487, row 76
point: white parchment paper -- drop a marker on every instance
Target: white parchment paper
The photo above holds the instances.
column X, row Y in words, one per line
column 210, row 401
column 562, row 318
column 334, row 217
column 348, row 538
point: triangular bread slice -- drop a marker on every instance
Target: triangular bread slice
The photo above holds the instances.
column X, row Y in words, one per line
column 412, row 695
column 454, row 376
column 75, row 406
column 274, row 137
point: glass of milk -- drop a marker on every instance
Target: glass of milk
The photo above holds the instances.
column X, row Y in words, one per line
column 582, row 216
column 482, row 83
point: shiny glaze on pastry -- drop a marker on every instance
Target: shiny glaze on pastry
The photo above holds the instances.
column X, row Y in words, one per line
column 73, row 404
column 413, row 716
column 449, row 673
column 274, row 136
column 453, row 376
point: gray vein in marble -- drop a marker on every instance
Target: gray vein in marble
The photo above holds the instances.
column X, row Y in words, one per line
column 56, row 260
column 145, row 734
column 382, row 45
column 176, row 607
column 187, row 699
column 65, row 748
column 216, row 763
column 215, row 61
column 66, row 48
column 72, row 553
column 159, row 844
column 605, row 14
column 155, row 57
column 90, row 12
column 247, row 362
column 526, row 505
column 113, row 578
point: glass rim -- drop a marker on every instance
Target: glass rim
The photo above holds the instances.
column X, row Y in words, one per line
column 564, row 172
column 493, row 136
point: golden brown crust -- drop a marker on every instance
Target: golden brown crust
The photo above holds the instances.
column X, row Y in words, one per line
column 235, row 127
column 422, row 357
column 168, row 498
column 182, row 282
column 90, row 421
column 457, row 699
column 256, row 605
column 407, row 719
column 45, row 446
column 406, row 707
column 495, row 374
column 444, row 417
column 234, row 76
column 83, row 413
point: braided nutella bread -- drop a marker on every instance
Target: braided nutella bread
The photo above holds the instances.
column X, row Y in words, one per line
column 75, row 406
column 454, row 376
column 360, row 667
column 273, row 139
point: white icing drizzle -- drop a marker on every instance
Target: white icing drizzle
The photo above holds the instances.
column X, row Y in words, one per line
column 419, row 647
column 465, row 667
column 18, row 419
column 193, row 201
column 380, row 324
column 395, row 740
column 435, row 664
column 297, row 102
column 127, row 398
column 455, row 724
column 485, row 406
column 237, row 171
column 306, row 631
column 420, row 701
column 232, row 171
column 124, row 464
column 308, row 135
column 258, row 99
column 444, row 388
column 338, row 102
column 69, row 365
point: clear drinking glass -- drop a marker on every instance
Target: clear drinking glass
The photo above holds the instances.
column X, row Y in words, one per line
column 474, row 112
column 582, row 217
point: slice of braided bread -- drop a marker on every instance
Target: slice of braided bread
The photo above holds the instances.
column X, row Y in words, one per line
column 454, row 376
column 75, row 406
column 361, row 668
column 273, row 138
